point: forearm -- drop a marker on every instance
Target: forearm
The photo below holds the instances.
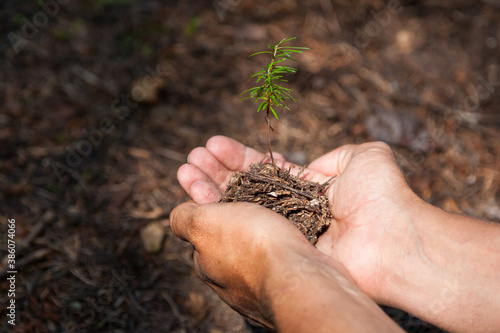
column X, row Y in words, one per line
column 451, row 275
column 313, row 296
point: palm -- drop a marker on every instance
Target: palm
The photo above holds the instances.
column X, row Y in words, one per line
column 365, row 199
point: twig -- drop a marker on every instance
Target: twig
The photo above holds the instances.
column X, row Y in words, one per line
column 26, row 261
column 23, row 245
column 327, row 183
column 272, row 181
column 173, row 306
column 301, row 171
column 44, row 221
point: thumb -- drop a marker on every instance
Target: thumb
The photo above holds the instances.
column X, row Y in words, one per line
column 182, row 220
column 222, row 222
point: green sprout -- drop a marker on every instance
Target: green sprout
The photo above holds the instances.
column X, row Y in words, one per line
column 270, row 94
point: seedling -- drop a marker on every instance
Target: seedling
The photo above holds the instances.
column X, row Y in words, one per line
column 270, row 94
column 301, row 201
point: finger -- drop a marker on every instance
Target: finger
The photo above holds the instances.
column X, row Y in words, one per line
column 215, row 170
column 198, row 185
column 219, row 222
column 182, row 220
column 236, row 156
column 334, row 162
column 233, row 154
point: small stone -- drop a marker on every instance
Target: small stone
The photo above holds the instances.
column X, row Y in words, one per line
column 405, row 41
column 195, row 305
column 146, row 89
column 152, row 237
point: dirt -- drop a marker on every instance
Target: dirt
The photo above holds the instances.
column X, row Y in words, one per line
column 302, row 202
column 102, row 101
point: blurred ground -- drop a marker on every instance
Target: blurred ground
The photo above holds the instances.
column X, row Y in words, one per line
column 102, row 100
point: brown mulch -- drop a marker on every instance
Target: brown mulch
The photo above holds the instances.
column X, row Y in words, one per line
column 301, row 201
column 102, row 102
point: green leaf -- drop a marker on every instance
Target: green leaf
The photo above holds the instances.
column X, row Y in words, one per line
column 278, row 87
column 261, row 105
column 294, row 49
column 286, row 69
column 262, row 52
column 284, row 40
column 274, row 112
column 261, row 73
column 251, row 89
column 269, row 94
column 275, row 100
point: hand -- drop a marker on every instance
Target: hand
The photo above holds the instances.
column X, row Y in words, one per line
column 264, row 268
column 233, row 251
column 368, row 198
column 370, row 202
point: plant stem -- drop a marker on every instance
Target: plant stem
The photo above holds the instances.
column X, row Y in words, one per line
column 268, row 109
column 269, row 128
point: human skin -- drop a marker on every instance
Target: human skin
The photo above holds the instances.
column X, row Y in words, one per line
column 397, row 249
column 266, row 270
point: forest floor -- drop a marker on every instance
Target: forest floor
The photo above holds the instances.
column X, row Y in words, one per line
column 102, row 100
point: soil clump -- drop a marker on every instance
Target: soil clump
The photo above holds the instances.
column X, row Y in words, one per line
column 301, row 201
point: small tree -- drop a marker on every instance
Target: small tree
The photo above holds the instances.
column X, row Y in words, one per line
column 270, row 95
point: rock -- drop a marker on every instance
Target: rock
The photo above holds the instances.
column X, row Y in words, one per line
column 146, row 89
column 195, row 305
column 152, row 237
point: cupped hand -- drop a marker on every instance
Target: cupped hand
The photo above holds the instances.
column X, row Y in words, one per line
column 238, row 247
column 264, row 268
column 369, row 200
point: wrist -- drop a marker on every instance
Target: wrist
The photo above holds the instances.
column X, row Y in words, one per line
column 314, row 293
column 393, row 253
column 448, row 275
column 406, row 262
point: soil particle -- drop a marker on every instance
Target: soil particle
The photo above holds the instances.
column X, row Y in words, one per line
column 302, row 202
